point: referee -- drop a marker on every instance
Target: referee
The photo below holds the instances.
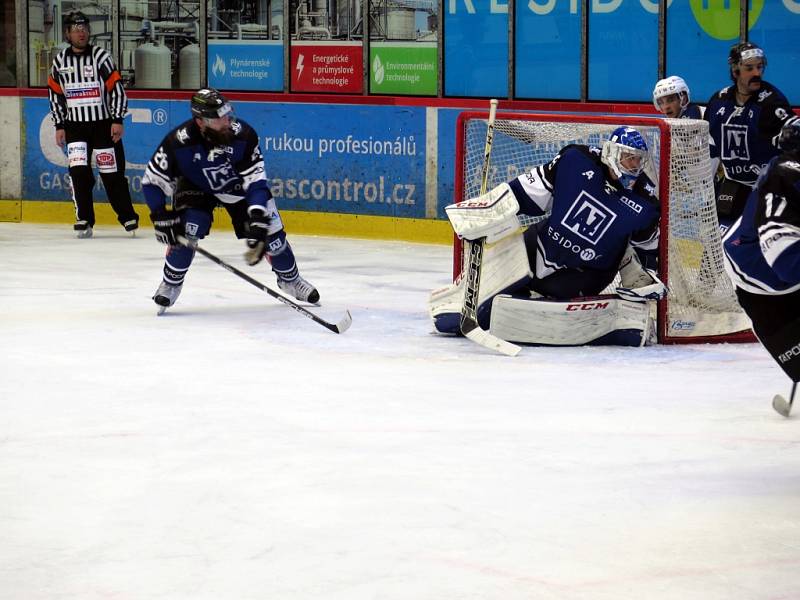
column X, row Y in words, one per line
column 88, row 103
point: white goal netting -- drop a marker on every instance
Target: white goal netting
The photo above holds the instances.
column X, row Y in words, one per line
column 701, row 303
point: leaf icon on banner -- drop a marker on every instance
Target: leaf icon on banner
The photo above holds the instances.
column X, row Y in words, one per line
column 377, row 69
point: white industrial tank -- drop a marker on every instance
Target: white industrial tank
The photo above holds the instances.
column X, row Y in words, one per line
column 400, row 24
column 189, row 67
column 152, row 66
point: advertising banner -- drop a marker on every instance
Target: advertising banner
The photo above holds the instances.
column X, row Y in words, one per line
column 345, row 159
column 246, row 65
column 476, row 48
column 326, row 158
column 327, row 67
column 403, row 68
column 44, row 171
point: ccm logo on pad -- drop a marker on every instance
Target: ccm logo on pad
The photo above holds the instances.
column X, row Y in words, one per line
column 587, row 306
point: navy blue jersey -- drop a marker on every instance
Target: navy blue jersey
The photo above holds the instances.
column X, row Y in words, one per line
column 692, row 111
column 745, row 137
column 593, row 218
column 228, row 173
column 762, row 249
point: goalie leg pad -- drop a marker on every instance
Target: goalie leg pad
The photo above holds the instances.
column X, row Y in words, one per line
column 599, row 320
column 505, row 267
column 492, row 215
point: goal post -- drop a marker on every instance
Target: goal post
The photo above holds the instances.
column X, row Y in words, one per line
column 701, row 304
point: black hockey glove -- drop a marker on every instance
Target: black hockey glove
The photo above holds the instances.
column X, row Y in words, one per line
column 257, row 228
column 167, row 225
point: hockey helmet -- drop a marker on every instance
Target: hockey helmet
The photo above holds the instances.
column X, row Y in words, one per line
column 76, row 18
column 208, row 103
column 789, row 139
column 624, row 143
column 671, row 85
column 744, row 51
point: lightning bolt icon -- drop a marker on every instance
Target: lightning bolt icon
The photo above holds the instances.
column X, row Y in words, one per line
column 299, row 66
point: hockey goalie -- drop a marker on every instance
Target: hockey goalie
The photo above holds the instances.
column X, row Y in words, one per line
column 556, row 239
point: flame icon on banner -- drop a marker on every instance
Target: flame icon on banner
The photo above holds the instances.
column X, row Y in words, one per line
column 218, row 69
column 378, row 70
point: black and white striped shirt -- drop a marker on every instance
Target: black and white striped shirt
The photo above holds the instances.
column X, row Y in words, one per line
column 85, row 87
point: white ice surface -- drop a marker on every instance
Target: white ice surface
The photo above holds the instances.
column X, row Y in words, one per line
column 235, row 450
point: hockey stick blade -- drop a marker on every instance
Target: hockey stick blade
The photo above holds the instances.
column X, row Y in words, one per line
column 339, row 327
column 781, row 405
column 487, row 340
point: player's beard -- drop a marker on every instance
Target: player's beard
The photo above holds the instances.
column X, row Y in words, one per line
column 218, row 138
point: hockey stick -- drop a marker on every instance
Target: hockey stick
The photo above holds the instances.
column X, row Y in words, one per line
column 780, row 404
column 340, row 327
column 469, row 310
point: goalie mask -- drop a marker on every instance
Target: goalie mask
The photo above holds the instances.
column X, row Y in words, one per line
column 625, row 154
column 215, row 114
column 668, row 87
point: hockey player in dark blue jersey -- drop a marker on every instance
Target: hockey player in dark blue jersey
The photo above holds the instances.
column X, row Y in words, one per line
column 671, row 98
column 762, row 254
column 744, row 122
column 214, row 159
column 594, row 214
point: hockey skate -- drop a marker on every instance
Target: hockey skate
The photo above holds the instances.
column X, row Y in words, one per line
column 300, row 289
column 131, row 226
column 82, row 230
column 166, row 295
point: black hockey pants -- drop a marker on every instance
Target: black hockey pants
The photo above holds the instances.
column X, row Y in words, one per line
column 84, row 140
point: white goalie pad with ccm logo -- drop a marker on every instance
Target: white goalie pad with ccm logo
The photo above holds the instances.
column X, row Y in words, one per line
column 492, row 216
column 504, row 263
column 567, row 323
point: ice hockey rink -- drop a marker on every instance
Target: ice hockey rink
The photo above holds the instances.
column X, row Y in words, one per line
column 235, row 450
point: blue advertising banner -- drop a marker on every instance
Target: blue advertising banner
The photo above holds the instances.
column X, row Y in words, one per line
column 700, row 35
column 446, row 129
column 775, row 30
column 346, row 159
column 698, row 41
column 44, row 171
column 476, row 48
column 623, row 50
column 246, row 65
column 326, row 158
column 548, row 35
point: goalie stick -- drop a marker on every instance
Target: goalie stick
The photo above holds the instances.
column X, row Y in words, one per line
column 340, row 327
column 469, row 311
column 780, row 404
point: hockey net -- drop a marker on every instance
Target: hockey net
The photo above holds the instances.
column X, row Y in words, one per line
column 701, row 305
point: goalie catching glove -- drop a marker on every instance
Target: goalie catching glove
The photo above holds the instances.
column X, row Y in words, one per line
column 167, row 225
column 637, row 283
column 257, row 227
